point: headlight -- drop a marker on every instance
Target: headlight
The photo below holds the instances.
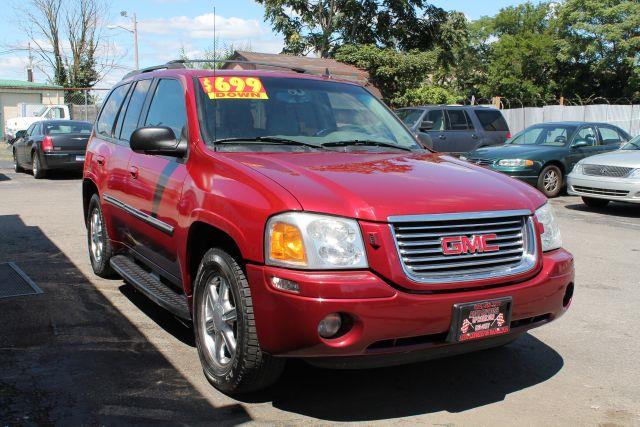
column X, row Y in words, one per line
column 312, row 241
column 512, row 163
column 577, row 168
column 634, row 174
column 551, row 238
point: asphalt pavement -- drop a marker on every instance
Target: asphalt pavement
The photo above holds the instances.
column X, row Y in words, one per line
column 94, row 351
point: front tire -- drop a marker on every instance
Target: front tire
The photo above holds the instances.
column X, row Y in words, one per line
column 225, row 328
column 38, row 172
column 100, row 250
column 550, row 181
column 595, row 203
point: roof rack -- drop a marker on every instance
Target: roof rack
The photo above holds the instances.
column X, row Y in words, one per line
column 181, row 63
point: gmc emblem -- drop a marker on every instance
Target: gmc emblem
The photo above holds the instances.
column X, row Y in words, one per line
column 458, row 245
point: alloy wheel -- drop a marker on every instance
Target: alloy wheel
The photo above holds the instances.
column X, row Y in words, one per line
column 97, row 236
column 218, row 322
column 551, row 180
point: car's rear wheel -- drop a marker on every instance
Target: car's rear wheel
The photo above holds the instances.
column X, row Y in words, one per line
column 550, row 181
column 225, row 328
column 595, row 203
column 36, row 167
column 16, row 165
column 100, row 250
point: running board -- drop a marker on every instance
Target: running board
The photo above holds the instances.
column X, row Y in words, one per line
column 151, row 287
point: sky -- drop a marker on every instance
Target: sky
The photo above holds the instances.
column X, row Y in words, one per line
column 167, row 26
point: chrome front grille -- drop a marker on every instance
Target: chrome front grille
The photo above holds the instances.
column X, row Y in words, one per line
column 420, row 245
column 600, row 191
column 602, row 170
column 481, row 162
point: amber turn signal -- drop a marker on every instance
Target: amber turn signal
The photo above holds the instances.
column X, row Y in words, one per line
column 287, row 244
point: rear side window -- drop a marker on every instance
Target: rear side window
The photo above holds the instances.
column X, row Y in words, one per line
column 610, row 136
column 492, row 120
column 458, row 120
column 167, row 107
column 104, row 125
column 134, row 108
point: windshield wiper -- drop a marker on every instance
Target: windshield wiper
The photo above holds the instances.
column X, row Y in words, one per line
column 363, row 142
column 266, row 140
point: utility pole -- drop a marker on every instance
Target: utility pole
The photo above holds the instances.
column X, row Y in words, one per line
column 215, row 39
column 134, row 31
column 30, row 66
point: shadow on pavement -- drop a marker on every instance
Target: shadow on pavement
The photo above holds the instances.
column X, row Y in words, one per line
column 454, row 385
column 69, row 357
column 618, row 209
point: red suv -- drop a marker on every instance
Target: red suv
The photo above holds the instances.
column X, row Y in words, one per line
column 293, row 215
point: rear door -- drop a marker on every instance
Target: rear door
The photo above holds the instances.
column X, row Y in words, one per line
column 460, row 134
column 157, row 180
column 610, row 138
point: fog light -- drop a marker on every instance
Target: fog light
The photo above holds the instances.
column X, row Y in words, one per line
column 330, row 325
column 285, row 285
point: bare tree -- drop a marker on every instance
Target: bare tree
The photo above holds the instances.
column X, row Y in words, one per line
column 67, row 39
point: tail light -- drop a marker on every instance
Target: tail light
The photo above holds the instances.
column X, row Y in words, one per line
column 508, row 135
column 47, row 144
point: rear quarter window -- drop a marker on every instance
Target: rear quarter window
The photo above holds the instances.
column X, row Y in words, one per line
column 492, row 121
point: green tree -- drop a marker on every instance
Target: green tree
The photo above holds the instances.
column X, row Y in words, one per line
column 322, row 26
column 424, row 95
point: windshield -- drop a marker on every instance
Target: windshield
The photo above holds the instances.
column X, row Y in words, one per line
column 251, row 111
column 409, row 116
column 555, row 135
column 634, row 144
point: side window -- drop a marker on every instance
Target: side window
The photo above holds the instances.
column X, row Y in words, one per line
column 587, row 135
column 132, row 115
column 492, row 120
column 30, row 129
column 167, row 107
column 458, row 120
column 609, row 136
column 437, row 118
column 104, row 125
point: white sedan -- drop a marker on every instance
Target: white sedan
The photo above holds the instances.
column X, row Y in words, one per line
column 606, row 177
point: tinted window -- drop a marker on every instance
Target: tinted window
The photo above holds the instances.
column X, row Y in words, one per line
column 458, row 120
column 409, row 116
column 167, row 107
column 437, row 118
column 30, row 130
column 104, row 125
column 544, row 135
column 587, row 135
column 610, row 136
column 492, row 120
column 134, row 108
column 68, row 127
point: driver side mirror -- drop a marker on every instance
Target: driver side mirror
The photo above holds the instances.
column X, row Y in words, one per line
column 426, row 125
column 580, row 144
column 159, row 140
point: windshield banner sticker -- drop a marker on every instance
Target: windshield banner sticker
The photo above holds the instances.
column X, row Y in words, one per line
column 231, row 87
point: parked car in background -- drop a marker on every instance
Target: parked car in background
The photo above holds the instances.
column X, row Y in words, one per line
column 52, row 144
column 288, row 215
column 46, row 112
column 608, row 177
column 542, row 154
column 455, row 128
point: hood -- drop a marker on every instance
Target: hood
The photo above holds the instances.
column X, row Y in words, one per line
column 510, row 151
column 624, row 158
column 374, row 186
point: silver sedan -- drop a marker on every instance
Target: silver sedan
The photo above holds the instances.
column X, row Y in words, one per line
column 605, row 177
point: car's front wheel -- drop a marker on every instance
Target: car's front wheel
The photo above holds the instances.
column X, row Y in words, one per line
column 595, row 203
column 550, row 181
column 16, row 165
column 225, row 328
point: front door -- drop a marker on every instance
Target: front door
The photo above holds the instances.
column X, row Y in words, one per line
column 157, row 182
column 588, row 135
column 437, row 131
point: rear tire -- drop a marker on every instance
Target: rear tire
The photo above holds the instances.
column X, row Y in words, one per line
column 225, row 328
column 16, row 167
column 595, row 203
column 100, row 250
column 550, row 181
column 36, row 167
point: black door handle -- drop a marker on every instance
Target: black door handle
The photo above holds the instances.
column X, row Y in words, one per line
column 442, row 137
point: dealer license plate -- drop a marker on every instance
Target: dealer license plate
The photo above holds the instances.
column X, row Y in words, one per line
column 79, row 158
column 482, row 319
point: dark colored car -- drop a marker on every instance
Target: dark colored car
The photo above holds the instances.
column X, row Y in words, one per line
column 52, row 145
column 290, row 215
column 456, row 129
column 542, row 155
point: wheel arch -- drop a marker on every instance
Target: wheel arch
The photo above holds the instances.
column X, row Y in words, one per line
column 89, row 188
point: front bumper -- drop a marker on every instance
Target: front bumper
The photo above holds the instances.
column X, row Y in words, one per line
column 387, row 320
column 601, row 187
column 63, row 161
column 528, row 175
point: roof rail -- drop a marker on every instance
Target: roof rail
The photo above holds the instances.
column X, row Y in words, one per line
column 168, row 66
column 237, row 61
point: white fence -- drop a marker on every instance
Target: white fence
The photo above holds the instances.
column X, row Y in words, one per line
column 625, row 116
